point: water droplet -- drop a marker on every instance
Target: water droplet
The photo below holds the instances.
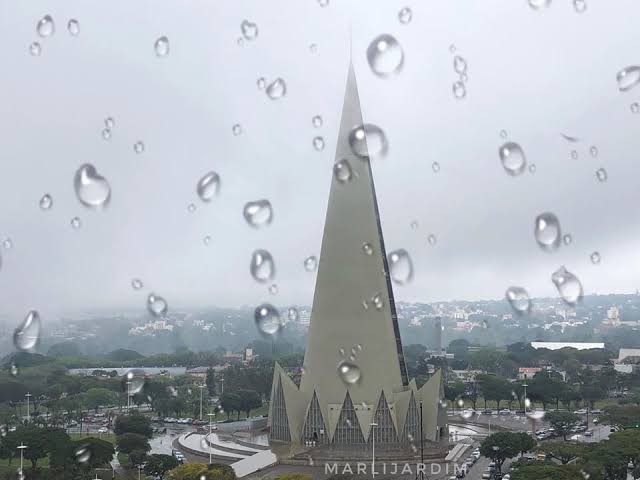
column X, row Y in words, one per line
column 109, row 122
column 593, row 151
column 262, row 266
column 459, row 90
column 267, row 320
column 567, row 239
column 539, row 4
column 318, row 143
column 76, row 222
column 518, row 298
column 191, row 208
column 7, row 243
column 569, row 138
column 349, row 372
column 273, row 289
column 310, row 263
column 579, row 5
column 432, row 239
column 316, row 121
column 414, row 225
column 435, row 166
column 276, row 89
column 323, row 3
column 83, row 454
column 313, row 48
column 106, row 134
column 595, row 258
column 261, row 83
column 45, row 26
column 342, row 171
column 91, row 188
column 367, row 248
column 568, row 286
column 161, row 47
column 208, row 186
column 368, row 140
column 138, row 147
column 249, row 30
column 452, row 48
column 258, row 213
column 547, row 231
column 628, row 78
column 512, row 158
column 292, row 314
column 378, row 301
column 240, row 41
column 400, row 266
column 405, row 15
column 133, row 381
column 136, row 284
column 385, row 55
column 27, row 335
column 207, row 239
column 574, row 154
column 156, row 305
column 13, row 369
column 459, row 64
column 503, row 134
column 601, row 175
column 635, row 107
column 35, row 49
column 73, row 27
column 237, row 129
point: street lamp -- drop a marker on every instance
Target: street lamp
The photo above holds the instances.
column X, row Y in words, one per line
column 21, row 447
column 128, row 396
column 222, row 386
column 28, row 396
column 210, row 414
column 140, row 467
column 498, row 474
column 373, row 448
column 201, row 387
column 524, row 385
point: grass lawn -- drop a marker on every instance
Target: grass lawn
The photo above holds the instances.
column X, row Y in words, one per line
column 107, row 437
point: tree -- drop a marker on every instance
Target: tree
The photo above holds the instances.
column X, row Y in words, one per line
column 621, row 416
column 564, row 452
column 98, row 397
column 526, row 442
column 562, row 422
column 453, row 391
column 8, row 446
column 494, row 388
column 211, row 381
column 158, row 465
column 137, row 457
column 231, row 402
column 128, row 442
column 134, row 423
column 249, row 399
column 500, row 446
column 36, row 440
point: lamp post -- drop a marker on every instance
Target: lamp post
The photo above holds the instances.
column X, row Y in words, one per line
column 524, row 385
column 420, row 475
column 373, row 449
column 21, row 447
column 210, row 415
column 498, row 474
column 201, row 387
column 139, row 471
column 222, row 386
column 128, row 396
column 28, row 396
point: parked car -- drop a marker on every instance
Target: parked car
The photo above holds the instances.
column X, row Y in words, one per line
column 582, row 411
column 505, row 411
column 103, row 430
column 588, row 433
column 486, row 474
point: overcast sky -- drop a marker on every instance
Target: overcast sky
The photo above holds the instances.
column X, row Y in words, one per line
column 535, row 74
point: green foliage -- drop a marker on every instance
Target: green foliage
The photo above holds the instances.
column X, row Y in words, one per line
column 249, row 399
column 453, row 391
column 562, row 422
column 159, row 465
column 128, row 442
column 564, row 452
column 231, row 402
column 193, row 471
column 622, row 416
column 124, row 355
column 134, row 423
column 500, row 446
column 546, row 471
column 211, row 381
column 137, row 457
column 494, row 388
column 98, row 397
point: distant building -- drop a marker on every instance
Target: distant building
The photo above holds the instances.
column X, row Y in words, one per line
column 628, row 355
column 576, row 345
column 437, row 334
column 526, row 373
column 201, row 372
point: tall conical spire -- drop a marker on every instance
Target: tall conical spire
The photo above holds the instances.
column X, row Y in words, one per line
column 353, row 306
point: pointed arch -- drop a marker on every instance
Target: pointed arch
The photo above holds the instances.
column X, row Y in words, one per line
column 411, row 430
column 348, row 428
column 314, row 428
column 280, row 421
column 384, row 431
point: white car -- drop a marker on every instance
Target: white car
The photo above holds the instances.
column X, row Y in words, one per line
column 103, row 430
column 582, row 411
column 506, row 477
